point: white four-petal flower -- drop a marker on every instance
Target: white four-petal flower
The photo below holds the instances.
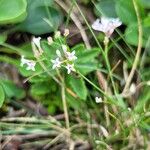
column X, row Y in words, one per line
column 30, row 63
column 106, row 25
column 56, row 63
column 70, row 67
column 71, row 56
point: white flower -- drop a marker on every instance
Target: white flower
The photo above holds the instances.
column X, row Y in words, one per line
column 64, row 48
column 50, row 40
column 56, row 63
column 31, row 65
column 106, row 25
column 58, row 53
column 66, row 32
column 98, row 100
column 57, row 34
column 36, row 41
column 71, row 56
column 70, row 67
column 23, row 61
column 36, row 45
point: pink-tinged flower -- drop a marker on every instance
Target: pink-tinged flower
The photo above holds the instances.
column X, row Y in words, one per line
column 106, row 25
column 70, row 67
column 71, row 56
column 56, row 63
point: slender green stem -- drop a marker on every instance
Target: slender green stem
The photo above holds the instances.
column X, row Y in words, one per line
column 103, row 52
column 138, row 53
column 109, row 67
column 65, row 104
column 92, row 84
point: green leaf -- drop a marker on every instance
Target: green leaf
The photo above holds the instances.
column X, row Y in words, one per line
column 2, row 96
column 40, row 88
column 3, row 38
column 86, row 67
column 39, row 12
column 12, row 11
column 125, row 11
column 87, row 56
column 147, row 21
column 131, row 34
column 78, row 86
column 106, row 8
column 11, row 90
column 145, row 3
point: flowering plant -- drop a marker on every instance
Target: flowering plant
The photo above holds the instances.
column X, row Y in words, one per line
column 53, row 59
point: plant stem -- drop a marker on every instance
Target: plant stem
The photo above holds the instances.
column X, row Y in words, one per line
column 137, row 56
column 65, row 104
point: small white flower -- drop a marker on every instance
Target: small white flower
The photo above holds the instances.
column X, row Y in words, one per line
column 71, row 56
column 66, row 32
column 98, row 100
column 50, row 40
column 57, row 34
column 132, row 88
column 58, row 53
column 31, row 65
column 106, row 25
column 70, row 67
column 36, row 41
column 56, row 63
column 23, row 61
column 64, row 48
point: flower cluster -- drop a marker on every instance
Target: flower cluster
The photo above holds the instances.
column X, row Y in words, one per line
column 65, row 59
column 106, row 25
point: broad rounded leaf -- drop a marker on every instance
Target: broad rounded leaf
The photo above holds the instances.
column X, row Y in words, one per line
column 42, row 18
column 11, row 90
column 131, row 34
column 106, row 8
column 2, row 96
column 126, row 12
column 12, row 11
